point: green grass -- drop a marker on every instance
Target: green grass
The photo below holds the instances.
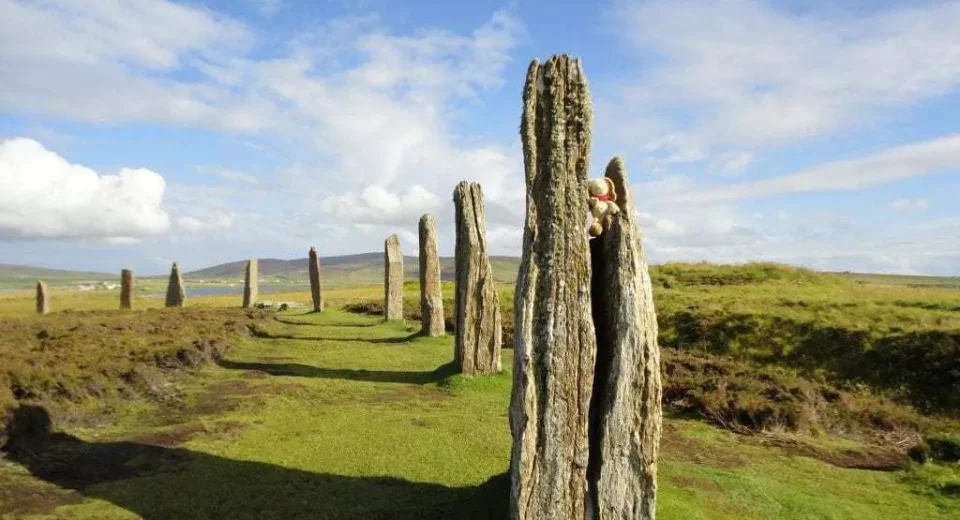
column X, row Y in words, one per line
column 356, row 418
column 340, row 415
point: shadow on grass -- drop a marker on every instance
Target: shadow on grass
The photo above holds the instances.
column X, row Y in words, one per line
column 379, row 376
column 263, row 334
column 334, row 324
column 160, row 483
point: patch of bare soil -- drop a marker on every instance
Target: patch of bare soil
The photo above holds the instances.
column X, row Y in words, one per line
column 180, row 434
column 873, row 458
column 695, row 482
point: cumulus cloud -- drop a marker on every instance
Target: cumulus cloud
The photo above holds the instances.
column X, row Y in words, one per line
column 376, row 205
column 44, row 196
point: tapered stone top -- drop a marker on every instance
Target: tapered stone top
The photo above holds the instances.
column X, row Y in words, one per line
column 393, row 278
column 43, row 298
column 251, row 283
column 477, row 310
column 555, row 341
column 431, row 298
column 126, row 289
column 316, row 289
column 176, row 292
column 625, row 406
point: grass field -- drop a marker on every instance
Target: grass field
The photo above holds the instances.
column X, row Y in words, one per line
column 339, row 415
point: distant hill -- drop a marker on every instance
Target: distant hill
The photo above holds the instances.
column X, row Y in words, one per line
column 24, row 277
column 360, row 269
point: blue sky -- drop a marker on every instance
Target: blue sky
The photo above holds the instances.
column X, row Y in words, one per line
column 138, row 132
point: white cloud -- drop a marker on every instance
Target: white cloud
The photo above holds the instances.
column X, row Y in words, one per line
column 902, row 162
column 215, row 222
column 909, row 205
column 752, row 73
column 732, row 163
column 228, row 174
column 44, row 196
column 104, row 62
column 376, row 205
column 122, row 241
column 373, row 107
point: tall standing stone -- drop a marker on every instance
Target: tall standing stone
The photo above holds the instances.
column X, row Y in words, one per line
column 251, row 283
column 585, row 410
column 43, row 298
column 393, row 278
column 126, row 289
column 555, row 342
column 625, row 406
column 316, row 290
column 477, row 345
column 431, row 298
column 176, row 292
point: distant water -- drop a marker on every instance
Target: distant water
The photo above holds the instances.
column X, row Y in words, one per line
column 224, row 290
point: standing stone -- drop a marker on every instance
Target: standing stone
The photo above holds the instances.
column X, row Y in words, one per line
column 126, row 289
column 251, row 283
column 393, row 279
column 555, row 343
column 625, row 408
column 431, row 298
column 585, row 408
column 316, row 290
column 43, row 298
column 176, row 293
column 477, row 345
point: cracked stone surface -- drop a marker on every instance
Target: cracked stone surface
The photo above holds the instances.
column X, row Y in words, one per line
column 477, row 309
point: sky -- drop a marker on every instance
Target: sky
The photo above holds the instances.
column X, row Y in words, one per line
column 134, row 133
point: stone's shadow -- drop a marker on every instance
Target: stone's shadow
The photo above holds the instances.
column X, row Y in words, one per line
column 379, row 376
column 335, row 325
column 160, row 483
column 374, row 341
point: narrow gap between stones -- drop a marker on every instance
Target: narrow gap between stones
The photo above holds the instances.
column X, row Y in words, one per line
column 599, row 291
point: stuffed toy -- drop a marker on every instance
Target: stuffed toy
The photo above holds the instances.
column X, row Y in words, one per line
column 602, row 202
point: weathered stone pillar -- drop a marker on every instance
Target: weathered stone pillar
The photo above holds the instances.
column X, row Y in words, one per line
column 585, row 409
column 477, row 345
column 431, row 298
column 316, row 290
column 555, row 343
column 176, row 292
column 251, row 283
column 43, row 298
column 393, row 279
column 126, row 289
column 625, row 407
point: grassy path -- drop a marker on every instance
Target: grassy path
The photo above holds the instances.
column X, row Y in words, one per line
column 342, row 416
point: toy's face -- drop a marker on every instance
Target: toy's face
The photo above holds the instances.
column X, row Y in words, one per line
column 598, row 187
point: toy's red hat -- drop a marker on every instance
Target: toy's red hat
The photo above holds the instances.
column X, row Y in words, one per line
column 612, row 196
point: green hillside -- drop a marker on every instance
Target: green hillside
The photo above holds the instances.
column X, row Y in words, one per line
column 24, row 277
